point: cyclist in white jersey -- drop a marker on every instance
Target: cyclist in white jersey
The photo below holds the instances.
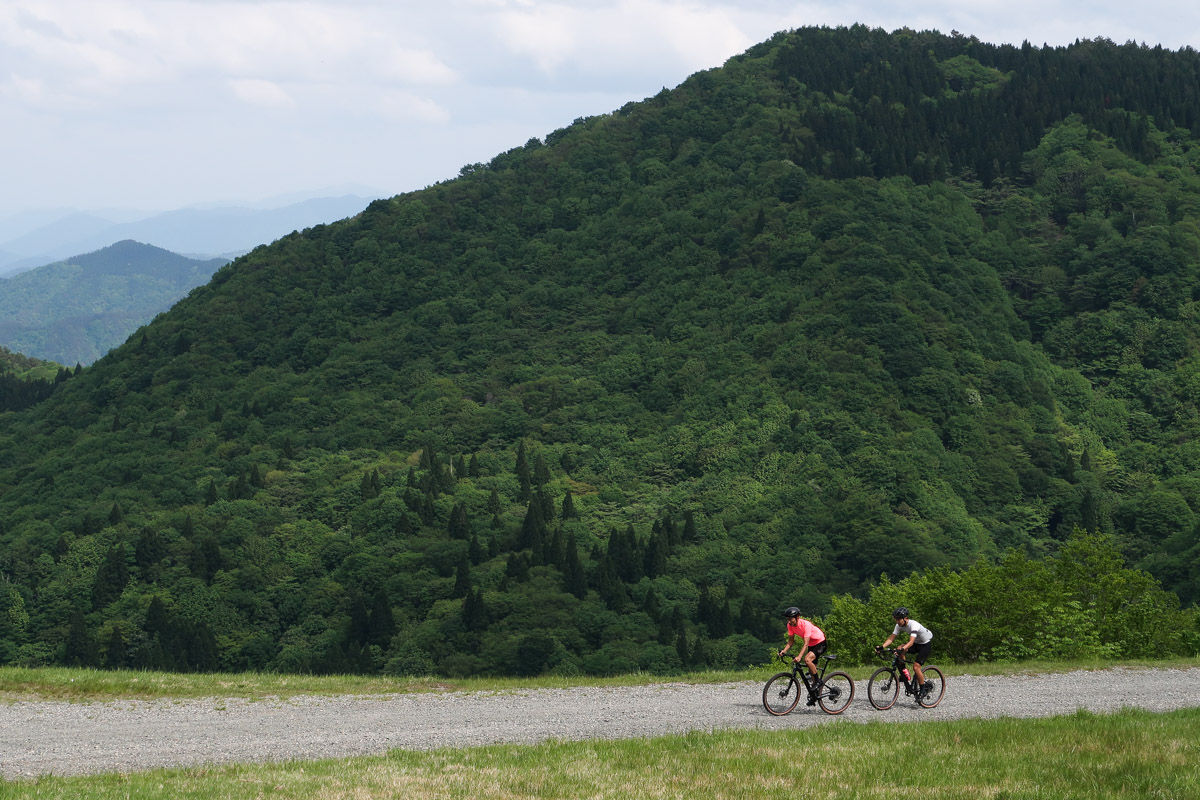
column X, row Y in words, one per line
column 920, row 641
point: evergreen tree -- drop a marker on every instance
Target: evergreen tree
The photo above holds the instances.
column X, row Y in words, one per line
column 689, row 527
column 541, row 472
column 460, row 528
column 80, row 650
column 360, row 620
column 462, row 577
column 524, row 480
column 381, row 626
column 475, row 612
column 158, row 620
column 568, row 507
column 110, row 578
column 574, row 577
column 114, row 656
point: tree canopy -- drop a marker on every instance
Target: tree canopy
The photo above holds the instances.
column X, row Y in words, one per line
column 855, row 304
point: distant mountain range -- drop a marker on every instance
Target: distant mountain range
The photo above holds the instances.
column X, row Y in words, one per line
column 74, row 311
column 35, row 239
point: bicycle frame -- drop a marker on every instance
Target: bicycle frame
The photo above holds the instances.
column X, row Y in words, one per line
column 800, row 670
column 882, row 693
column 899, row 664
column 832, row 691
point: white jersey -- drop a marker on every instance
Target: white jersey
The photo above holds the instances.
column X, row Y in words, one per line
column 914, row 628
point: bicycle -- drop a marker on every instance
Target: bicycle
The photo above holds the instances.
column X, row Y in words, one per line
column 832, row 693
column 884, row 686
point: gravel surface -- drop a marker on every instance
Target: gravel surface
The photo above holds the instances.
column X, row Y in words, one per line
column 38, row 738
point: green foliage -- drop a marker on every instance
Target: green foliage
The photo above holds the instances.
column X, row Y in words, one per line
column 855, row 304
column 74, row 311
column 1083, row 603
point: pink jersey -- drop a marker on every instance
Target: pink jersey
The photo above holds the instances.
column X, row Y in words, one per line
column 811, row 633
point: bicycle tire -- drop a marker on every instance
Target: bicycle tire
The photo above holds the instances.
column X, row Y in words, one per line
column 836, row 693
column 935, row 676
column 883, row 688
column 781, row 694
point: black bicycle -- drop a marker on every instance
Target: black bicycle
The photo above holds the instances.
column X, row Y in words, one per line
column 884, row 686
column 832, row 692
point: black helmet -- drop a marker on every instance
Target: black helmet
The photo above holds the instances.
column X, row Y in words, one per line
column 900, row 613
column 792, row 611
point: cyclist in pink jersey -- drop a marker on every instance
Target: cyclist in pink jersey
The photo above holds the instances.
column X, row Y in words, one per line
column 812, row 640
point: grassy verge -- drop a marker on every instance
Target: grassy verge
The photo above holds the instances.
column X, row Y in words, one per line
column 1131, row 754
column 91, row 685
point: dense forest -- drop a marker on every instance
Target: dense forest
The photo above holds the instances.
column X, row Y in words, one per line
column 26, row 381
column 857, row 318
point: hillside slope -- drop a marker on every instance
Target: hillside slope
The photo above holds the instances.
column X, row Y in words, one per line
column 76, row 310
column 855, row 303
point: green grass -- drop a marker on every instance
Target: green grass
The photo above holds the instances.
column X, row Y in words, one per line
column 91, row 685
column 1131, row 754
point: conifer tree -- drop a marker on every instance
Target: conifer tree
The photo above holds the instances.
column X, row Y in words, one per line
column 522, row 469
column 575, row 579
column 689, row 527
column 462, row 577
column 381, row 625
column 360, row 618
column 110, row 578
column 460, row 527
column 474, row 611
column 114, row 655
column 568, row 507
column 541, row 473
column 149, row 549
column 80, row 650
column 158, row 620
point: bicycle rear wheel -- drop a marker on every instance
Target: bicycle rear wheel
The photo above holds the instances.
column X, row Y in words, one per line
column 883, row 688
column 936, row 692
column 836, row 693
column 781, row 694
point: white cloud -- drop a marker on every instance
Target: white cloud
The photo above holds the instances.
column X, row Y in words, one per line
column 97, row 93
column 401, row 105
column 262, row 93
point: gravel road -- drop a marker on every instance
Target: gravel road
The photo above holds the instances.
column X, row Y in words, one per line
column 38, row 738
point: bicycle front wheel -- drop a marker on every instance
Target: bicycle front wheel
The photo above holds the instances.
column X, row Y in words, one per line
column 934, row 696
column 883, row 688
column 836, row 693
column 781, row 694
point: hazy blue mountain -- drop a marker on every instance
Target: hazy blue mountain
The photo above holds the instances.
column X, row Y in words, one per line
column 75, row 310
column 199, row 232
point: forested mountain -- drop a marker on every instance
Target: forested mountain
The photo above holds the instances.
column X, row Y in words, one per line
column 855, row 303
column 76, row 310
column 26, row 381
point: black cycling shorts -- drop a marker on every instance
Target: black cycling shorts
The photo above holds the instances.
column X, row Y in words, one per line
column 920, row 652
column 819, row 648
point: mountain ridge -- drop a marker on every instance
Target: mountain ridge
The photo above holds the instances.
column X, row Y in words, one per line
column 610, row 400
column 75, row 310
column 204, row 232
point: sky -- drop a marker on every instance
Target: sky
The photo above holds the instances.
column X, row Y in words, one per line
column 162, row 104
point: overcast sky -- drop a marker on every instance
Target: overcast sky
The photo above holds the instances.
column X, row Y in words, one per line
column 160, row 104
